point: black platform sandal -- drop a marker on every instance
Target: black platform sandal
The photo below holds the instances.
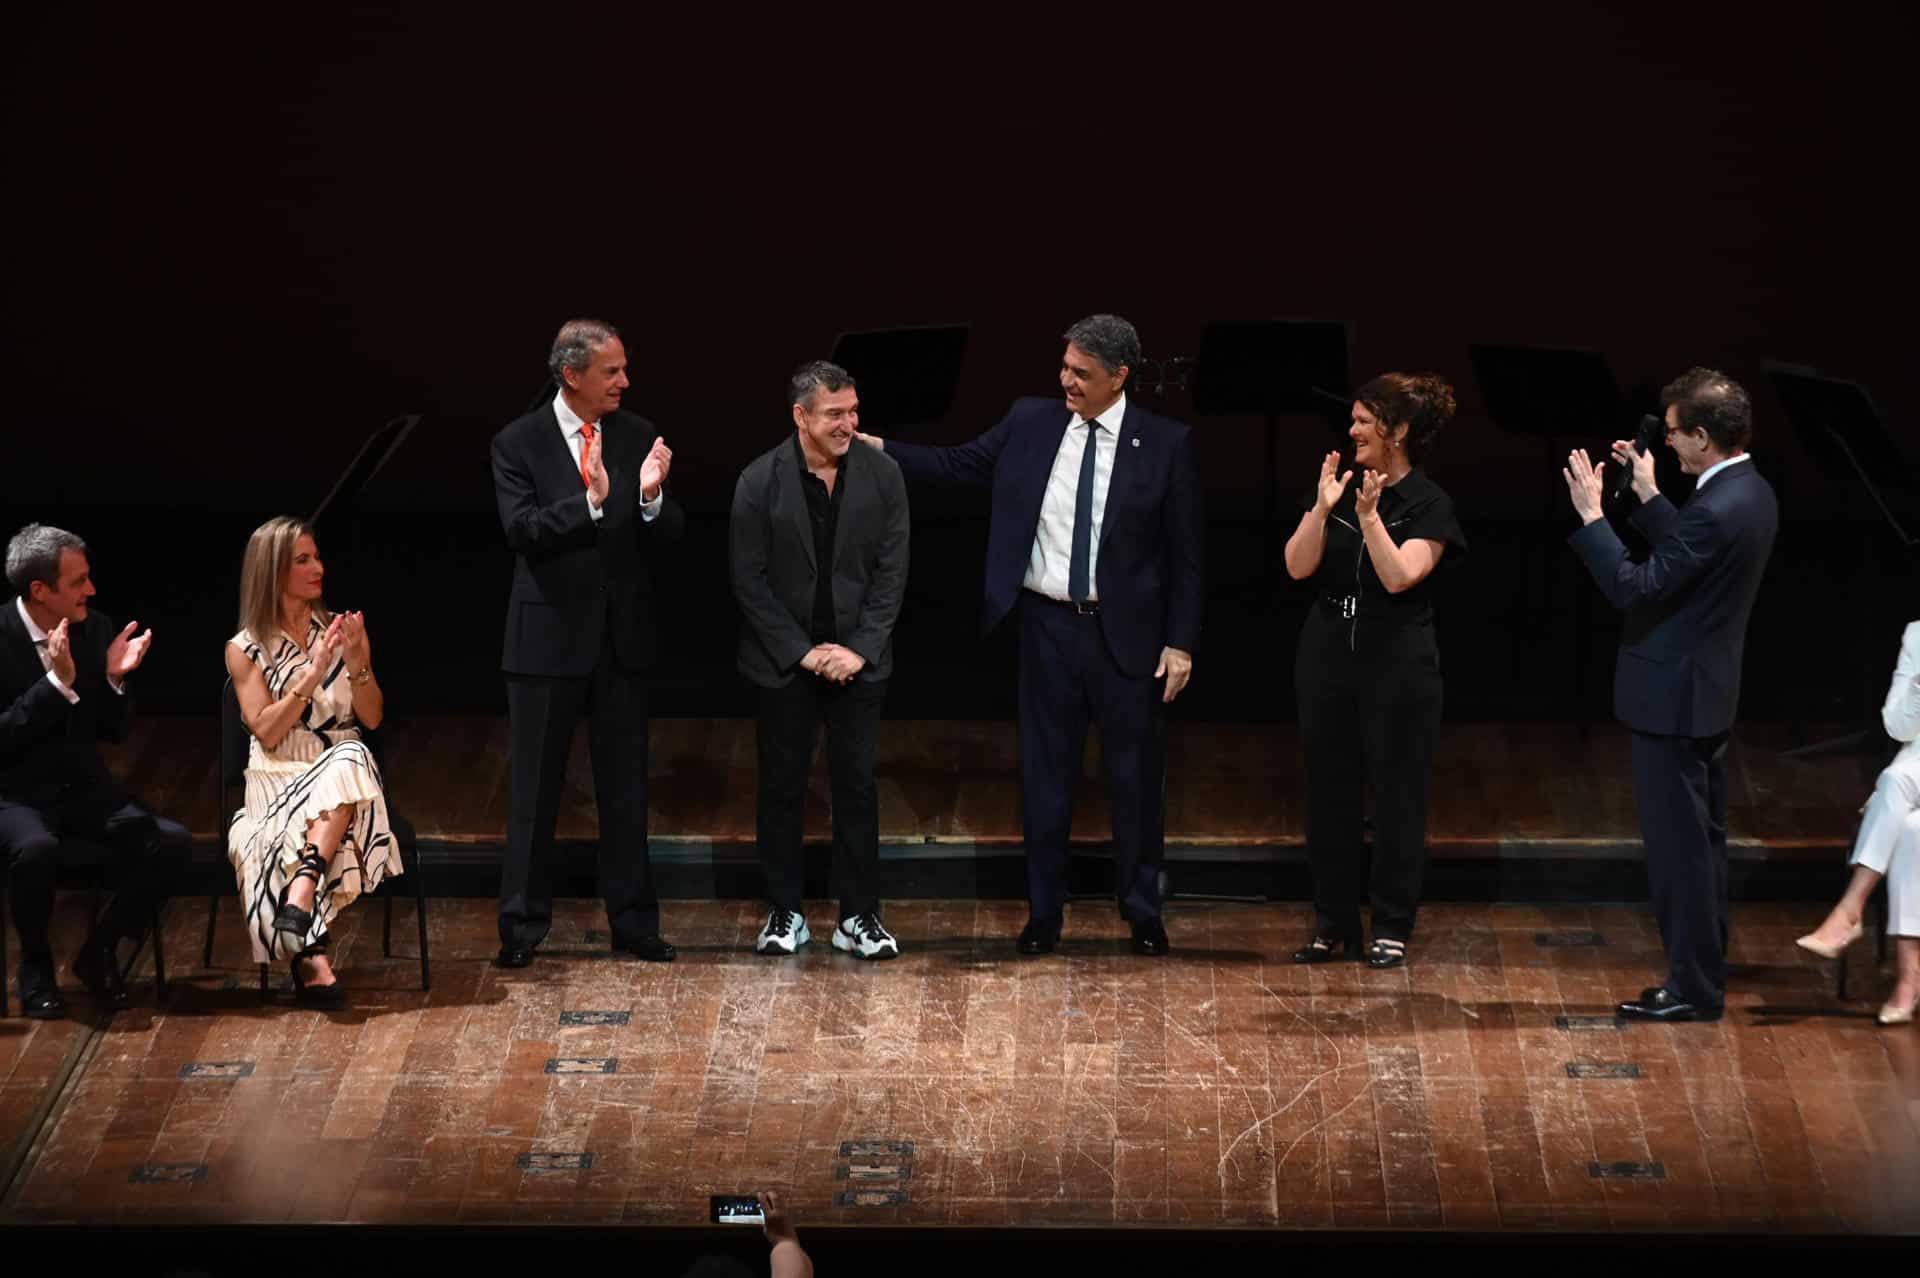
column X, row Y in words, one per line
column 330, row 997
column 292, row 918
column 1325, row 949
column 1386, row 951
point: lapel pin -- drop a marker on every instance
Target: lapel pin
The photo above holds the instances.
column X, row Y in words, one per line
column 1136, row 441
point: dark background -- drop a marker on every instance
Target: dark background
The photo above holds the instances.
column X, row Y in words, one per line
column 238, row 243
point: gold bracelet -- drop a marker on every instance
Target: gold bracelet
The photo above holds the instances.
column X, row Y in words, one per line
column 306, row 697
column 362, row 677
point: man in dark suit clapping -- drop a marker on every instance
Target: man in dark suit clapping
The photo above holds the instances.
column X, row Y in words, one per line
column 1095, row 541
column 62, row 689
column 818, row 545
column 1676, row 682
column 580, row 486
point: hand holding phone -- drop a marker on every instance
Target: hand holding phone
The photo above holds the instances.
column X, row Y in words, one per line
column 737, row 1209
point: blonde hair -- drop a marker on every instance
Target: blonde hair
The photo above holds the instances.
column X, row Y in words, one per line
column 263, row 577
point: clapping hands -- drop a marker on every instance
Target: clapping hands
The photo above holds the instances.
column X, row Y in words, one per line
column 60, row 653
column 1333, row 483
column 1366, row 498
column 653, row 471
column 353, row 640
column 125, row 653
column 596, row 467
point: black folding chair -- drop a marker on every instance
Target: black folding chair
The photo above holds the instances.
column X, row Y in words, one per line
column 233, row 780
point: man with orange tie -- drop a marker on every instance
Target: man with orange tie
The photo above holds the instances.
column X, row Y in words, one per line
column 581, row 488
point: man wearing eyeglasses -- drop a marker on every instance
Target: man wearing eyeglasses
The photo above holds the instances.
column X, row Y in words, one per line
column 1677, row 678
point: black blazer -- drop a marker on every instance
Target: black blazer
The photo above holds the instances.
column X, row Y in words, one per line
column 1678, row 671
column 576, row 580
column 770, row 547
column 1150, row 573
column 48, row 744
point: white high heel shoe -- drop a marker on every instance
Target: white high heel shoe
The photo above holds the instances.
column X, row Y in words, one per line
column 1814, row 945
column 1891, row 1015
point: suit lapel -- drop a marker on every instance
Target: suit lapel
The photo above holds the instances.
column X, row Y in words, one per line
column 1123, row 464
column 786, row 482
column 550, row 451
column 1046, row 446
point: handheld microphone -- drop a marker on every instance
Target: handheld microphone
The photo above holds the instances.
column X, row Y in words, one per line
column 1651, row 431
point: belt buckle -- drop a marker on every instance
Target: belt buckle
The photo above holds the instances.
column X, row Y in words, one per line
column 1085, row 608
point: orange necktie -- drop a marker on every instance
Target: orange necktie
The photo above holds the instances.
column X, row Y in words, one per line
column 586, row 445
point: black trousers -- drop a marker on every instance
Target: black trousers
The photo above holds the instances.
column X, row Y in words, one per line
column 1369, row 696
column 1068, row 680
column 1680, row 791
column 543, row 712
column 152, row 849
column 790, row 719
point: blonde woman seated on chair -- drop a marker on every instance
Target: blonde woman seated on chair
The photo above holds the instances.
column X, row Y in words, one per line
column 313, row 834
column 1888, row 845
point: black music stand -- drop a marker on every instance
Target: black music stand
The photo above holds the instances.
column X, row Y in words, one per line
column 907, row 376
column 1553, row 394
column 1841, row 430
column 333, row 519
column 1272, row 369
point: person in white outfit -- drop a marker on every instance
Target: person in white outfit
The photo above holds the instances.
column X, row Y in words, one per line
column 1888, row 845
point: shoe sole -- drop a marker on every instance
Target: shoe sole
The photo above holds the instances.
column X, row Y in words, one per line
column 768, row 949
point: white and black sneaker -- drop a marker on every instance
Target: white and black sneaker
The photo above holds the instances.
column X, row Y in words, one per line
column 865, row 937
column 784, row 933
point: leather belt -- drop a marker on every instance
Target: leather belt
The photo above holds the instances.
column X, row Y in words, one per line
column 1089, row 609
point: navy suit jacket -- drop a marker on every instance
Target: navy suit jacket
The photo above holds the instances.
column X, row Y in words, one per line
column 1149, row 574
column 48, row 745
column 575, row 580
column 1687, row 605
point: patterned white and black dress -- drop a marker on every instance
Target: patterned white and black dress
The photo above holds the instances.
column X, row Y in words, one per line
column 319, row 765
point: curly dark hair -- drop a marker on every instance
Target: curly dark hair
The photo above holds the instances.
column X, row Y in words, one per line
column 1709, row 400
column 1422, row 401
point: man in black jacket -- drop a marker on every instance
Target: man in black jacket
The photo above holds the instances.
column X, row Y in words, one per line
column 62, row 685
column 1677, row 680
column 818, row 545
column 580, row 487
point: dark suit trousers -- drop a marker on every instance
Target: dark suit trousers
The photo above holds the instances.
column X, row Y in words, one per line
column 543, row 712
column 790, row 718
column 1068, row 680
column 152, row 849
column 1680, row 789
column 1369, row 705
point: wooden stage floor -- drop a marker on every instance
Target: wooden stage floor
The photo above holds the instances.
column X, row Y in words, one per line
column 963, row 1085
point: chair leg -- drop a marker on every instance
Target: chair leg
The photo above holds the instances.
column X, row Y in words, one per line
column 386, row 925
column 420, row 907
column 4, row 917
column 159, row 957
column 213, row 914
column 265, row 993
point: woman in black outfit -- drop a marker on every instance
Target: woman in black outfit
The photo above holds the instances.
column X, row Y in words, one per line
column 1367, row 669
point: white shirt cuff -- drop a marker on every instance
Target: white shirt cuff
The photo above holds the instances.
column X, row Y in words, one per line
column 595, row 511
column 73, row 698
column 116, row 685
column 650, row 510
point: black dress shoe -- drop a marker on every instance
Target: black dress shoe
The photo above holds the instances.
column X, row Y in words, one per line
column 1325, row 949
column 514, row 956
column 650, row 949
column 97, row 970
column 1149, row 937
column 1657, row 1003
column 1039, row 936
column 44, row 1004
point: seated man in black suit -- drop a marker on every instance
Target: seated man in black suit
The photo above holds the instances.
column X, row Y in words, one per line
column 62, row 673
column 818, row 544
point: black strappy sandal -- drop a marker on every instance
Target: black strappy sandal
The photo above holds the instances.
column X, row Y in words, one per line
column 326, row 997
column 292, row 918
column 1325, row 949
column 1386, row 951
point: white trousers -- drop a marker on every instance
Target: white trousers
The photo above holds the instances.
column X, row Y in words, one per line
column 1889, row 842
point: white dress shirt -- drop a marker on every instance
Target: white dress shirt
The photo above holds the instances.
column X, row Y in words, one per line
column 1717, row 467
column 39, row 638
column 1052, row 559
column 570, row 426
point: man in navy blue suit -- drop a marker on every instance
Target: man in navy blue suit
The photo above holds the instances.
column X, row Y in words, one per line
column 1677, row 679
column 1095, row 542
